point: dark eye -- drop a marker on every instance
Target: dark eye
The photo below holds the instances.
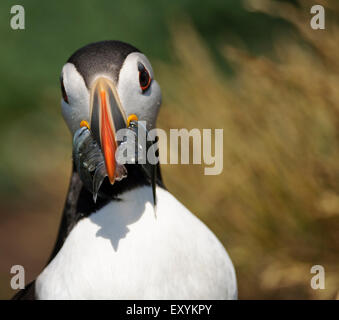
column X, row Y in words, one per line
column 144, row 77
column 63, row 91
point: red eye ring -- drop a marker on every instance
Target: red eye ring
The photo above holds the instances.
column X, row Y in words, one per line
column 144, row 77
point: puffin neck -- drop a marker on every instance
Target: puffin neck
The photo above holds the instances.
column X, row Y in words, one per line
column 79, row 201
column 135, row 178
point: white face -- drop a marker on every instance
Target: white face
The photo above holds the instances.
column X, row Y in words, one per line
column 137, row 95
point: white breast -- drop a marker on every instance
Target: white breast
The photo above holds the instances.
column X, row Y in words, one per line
column 124, row 251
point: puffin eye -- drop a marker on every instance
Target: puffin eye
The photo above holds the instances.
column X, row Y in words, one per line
column 144, row 77
column 63, row 91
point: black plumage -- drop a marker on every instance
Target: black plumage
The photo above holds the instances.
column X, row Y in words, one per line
column 101, row 57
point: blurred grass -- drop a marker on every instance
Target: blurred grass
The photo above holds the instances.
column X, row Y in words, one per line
column 276, row 204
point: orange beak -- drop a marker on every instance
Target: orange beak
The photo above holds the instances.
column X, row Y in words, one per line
column 107, row 116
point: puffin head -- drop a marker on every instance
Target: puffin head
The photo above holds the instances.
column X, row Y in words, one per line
column 103, row 85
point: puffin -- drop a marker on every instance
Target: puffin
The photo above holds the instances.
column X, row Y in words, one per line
column 123, row 235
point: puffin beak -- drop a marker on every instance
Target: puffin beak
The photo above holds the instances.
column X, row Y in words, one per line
column 106, row 118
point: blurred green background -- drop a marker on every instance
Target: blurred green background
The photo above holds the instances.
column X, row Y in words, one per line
column 254, row 68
